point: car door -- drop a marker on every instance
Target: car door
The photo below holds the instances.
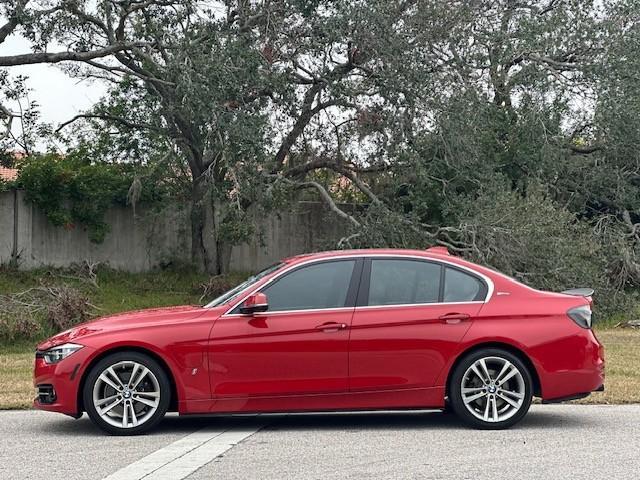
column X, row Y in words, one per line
column 410, row 315
column 299, row 345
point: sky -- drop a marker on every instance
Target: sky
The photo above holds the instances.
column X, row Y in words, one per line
column 59, row 96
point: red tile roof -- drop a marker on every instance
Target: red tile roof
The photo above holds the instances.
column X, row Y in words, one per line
column 8, row 174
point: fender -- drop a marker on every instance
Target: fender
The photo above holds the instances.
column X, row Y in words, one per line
column 475, row 338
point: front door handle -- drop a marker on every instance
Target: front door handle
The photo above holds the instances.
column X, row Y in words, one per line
column 454, row 317
column 331, row 327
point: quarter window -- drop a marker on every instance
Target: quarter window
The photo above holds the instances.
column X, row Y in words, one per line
column 323, row 285
column 461, row 287
column 401, row 282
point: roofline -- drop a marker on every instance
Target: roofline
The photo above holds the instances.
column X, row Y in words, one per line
column 369, row 251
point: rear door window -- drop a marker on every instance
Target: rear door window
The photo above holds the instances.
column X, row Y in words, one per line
column 403, row 282
column 462, row 287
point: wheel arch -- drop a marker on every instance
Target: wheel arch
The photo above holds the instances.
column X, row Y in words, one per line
column 173, row 405
column 535, row 378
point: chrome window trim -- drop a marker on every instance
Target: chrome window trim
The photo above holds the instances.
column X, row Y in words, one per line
column 487, row 280
column 363, row 307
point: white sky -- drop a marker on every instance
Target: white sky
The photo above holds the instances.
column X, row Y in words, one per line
column 59, row 96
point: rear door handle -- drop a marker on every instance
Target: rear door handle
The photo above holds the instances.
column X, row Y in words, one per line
column 331, row 327
column 454, row 317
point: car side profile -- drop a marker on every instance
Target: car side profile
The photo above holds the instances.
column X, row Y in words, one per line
column 347, row 330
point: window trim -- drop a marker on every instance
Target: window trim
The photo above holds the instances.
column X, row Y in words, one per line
column 252, row 289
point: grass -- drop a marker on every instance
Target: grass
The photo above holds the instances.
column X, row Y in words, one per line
column 120, row 292
column 16, row 368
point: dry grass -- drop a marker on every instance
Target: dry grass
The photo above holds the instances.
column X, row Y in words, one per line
column 15, row 377
column 622, row 381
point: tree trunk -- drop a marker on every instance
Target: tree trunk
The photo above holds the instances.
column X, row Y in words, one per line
column 208, row 251
column 204, row 251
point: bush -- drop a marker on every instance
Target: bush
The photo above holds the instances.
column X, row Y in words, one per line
column 44, row 309
column 68, row 307
column 539, row 243
column 218, row 285
column 17, row 326
column 71, row 190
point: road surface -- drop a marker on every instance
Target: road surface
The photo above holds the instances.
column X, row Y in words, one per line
column 554, row 441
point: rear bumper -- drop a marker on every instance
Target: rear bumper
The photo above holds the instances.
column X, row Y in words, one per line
column 576, row 396
column 575, row 371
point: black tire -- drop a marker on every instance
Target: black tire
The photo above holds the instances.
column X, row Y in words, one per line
column 113, row 359
column 448, row 409
column 455, row 390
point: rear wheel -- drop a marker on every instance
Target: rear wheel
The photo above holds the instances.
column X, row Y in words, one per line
column 126, row 393
column 491, row 389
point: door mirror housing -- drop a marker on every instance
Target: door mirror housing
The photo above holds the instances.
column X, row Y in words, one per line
column 256, row 302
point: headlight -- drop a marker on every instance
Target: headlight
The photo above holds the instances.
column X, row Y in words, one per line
column 55, row 354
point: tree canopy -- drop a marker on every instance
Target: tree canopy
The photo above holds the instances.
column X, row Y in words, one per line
column 506, row 130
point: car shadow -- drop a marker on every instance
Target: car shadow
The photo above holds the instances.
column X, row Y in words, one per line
column 416, row 421
column 347, row 421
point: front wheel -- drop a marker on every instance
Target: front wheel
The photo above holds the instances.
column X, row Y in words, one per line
column 491, row 389
column 126, row 393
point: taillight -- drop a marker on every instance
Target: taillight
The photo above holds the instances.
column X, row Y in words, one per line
column 581, row 315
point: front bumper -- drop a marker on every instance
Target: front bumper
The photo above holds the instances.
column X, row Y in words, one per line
column 57, row 385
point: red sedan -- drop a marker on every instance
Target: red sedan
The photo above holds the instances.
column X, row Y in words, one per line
column 348, row 330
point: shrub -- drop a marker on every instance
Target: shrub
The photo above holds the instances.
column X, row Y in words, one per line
column 18, row 326
column 43, row 309
column 71, row 190
column 540, row 243
column 67, row 308
column 217, row 285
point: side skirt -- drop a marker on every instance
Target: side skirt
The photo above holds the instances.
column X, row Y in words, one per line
column 418, row 398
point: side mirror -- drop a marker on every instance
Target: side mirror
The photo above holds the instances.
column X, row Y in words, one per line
column 255, row 303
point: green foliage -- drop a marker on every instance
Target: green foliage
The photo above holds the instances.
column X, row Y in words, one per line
column 70, row 190
column 4, row 186
column 538, row 242
column 505, row 130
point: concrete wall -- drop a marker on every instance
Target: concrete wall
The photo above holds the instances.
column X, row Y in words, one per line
column 150, row 238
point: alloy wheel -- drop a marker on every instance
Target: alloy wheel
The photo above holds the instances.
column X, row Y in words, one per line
column 493, row 389
column 126, row 394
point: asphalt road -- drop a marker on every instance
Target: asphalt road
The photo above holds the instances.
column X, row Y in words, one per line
column 559, row 441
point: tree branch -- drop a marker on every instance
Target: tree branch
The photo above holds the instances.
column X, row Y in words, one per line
column 112, row 118
column 8, row 28
column 586, row 150
column 329, row 201
column 46, row 57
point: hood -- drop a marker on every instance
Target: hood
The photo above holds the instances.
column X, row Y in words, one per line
column 136, row 318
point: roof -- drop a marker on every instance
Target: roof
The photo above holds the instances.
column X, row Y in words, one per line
column 8, row 174
column 433, row 252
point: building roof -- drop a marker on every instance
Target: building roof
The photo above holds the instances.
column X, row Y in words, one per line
column 8, row 174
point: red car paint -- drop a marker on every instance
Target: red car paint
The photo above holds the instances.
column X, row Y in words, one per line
column 345, row 358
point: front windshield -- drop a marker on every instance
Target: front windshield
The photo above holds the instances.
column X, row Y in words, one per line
column 235, row 291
